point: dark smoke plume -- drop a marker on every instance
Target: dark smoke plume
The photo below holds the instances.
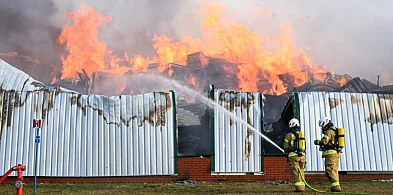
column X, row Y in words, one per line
column 31, row 27
column 26, row 28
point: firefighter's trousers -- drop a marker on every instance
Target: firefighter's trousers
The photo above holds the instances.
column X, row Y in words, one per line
column 331, row 169
column 297, row 162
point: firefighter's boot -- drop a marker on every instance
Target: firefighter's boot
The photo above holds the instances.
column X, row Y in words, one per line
column 299, row 188
column 335, row 188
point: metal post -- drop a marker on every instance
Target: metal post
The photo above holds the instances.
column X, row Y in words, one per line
column 37, row 141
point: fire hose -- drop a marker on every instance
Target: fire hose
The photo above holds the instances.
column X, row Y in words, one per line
column 326, row 192
column 18, row 184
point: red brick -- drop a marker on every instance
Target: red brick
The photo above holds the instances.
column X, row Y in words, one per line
column 196, row 168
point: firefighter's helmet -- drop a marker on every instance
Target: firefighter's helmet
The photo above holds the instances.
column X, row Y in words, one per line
column 324, row 121
column 294, row 123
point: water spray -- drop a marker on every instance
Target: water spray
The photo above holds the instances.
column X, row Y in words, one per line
column 161, row 80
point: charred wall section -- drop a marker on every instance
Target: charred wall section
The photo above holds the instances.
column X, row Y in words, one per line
column 85, row 136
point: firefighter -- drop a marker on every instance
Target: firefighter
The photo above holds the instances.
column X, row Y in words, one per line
column 294, row 146
column 328, row 146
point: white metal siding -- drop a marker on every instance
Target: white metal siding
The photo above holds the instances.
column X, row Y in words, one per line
column 368, row 123
column 230, row 135
column 13, row 79
column 88, row 135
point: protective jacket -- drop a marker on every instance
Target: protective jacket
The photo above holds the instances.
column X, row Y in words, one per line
column 329, row 152
column 296, row 159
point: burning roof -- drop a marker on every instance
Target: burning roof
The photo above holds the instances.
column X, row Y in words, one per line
column 229, row 55
column 228, row 51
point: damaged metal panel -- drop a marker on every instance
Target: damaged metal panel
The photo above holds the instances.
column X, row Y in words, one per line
column 237, row 149
column 12, row 79
column 85, row 135
column 368, row 123
column 89, row 135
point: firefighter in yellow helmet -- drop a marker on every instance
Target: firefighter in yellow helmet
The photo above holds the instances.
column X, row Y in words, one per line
column 294, row 146
column 329, row 148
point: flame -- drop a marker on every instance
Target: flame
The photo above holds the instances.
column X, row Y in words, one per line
column 342, row 81
column 121, row 89
column 192, row 81
column 222, row 37
column 204, row 60
column 54, row 80
column 188, row 100
column 226, row 38
column 138, row 62
column 85, row 51
column 170, row 72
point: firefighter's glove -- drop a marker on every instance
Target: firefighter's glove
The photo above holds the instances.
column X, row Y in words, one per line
column 317, row 142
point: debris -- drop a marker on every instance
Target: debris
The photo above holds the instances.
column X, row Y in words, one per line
column 279, row 182
column 384, row 180
column 188, row 182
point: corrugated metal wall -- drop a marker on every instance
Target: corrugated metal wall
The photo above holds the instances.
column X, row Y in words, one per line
column 89, row 135
column 368, row 123
column 13, row 79
column 237, row 149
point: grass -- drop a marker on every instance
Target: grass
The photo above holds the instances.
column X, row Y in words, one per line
column 375, row 187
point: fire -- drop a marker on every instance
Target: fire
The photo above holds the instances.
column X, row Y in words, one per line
column 188, row 100
column 121, row 89
column 342, row 81
column 222, row 37
column 85, row 51
column 169, row 51
column 192, row 81
column 54, row 80
column 228, row 39
column 138, row 62
column 170, row 72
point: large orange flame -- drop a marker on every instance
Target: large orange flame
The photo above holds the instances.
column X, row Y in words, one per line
column 222, row 37
column 228, row 39
column 85, row 51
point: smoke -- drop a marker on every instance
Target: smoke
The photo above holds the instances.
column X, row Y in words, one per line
column 31, row 27
column 156, row 82
column 133, row 24
column 25, row 27
column 386, row 79
column 349, row 37
column 139, row 83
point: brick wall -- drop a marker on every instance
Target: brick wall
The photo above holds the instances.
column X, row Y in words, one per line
column 194, row 168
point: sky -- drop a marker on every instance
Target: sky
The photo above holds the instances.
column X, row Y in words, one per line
column 348, row 37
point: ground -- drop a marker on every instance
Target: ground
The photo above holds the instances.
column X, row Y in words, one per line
column 193, row 187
